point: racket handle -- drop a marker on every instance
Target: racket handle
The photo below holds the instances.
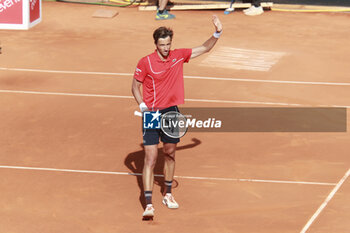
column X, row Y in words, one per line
column 137, row 113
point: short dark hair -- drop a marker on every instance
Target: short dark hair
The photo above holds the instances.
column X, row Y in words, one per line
column 162, row 32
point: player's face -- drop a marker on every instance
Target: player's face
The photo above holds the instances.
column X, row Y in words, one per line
column 163, row 46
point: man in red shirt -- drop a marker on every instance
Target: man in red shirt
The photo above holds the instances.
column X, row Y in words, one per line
column 161, row 76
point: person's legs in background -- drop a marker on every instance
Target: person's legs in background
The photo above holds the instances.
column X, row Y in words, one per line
column 162, row 13
column 256, row 3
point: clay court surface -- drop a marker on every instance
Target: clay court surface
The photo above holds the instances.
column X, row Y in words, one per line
column 66, row 111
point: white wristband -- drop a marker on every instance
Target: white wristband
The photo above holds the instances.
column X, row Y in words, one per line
column 217, row 34
column 143, row 107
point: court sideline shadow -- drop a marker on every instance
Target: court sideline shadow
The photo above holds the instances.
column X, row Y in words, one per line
column 135, row 161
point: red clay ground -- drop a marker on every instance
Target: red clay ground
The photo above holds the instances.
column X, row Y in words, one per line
column 57, row 130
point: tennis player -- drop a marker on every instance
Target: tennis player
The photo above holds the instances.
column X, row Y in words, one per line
column 161, row 76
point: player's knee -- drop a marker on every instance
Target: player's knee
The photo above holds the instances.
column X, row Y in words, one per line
column 170, row 151
column 150, row 162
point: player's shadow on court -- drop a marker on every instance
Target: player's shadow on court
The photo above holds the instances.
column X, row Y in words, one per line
column 135, row 161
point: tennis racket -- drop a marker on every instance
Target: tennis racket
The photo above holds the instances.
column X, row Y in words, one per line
column 174, row 124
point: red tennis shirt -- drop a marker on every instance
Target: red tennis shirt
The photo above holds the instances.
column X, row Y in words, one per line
column 162, row 81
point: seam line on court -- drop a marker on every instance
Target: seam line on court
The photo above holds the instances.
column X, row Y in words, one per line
column 186, row 76
column 190, row 100
column 325, row 202
column 181, row 177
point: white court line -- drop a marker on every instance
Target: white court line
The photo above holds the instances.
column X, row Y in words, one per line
column 186, row 77
column 66, row 94
column 270, row 81
column 65, row 71
column 181, row 177
column 324, row 204
column 242, row 102
column 190, row 100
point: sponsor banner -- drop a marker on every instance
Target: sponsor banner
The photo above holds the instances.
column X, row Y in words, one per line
column 34, row 9
column 11, row 12
column 264, row 119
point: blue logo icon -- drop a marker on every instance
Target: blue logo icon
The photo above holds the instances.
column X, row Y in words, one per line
column 151, row 120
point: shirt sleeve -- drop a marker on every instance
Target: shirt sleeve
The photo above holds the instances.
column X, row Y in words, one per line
column 140, row 71
column 186, row 54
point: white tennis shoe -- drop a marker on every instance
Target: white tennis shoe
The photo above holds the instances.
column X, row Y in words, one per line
column 251, row 11
column 248, row 9
column 170, row 202
column 149, row 211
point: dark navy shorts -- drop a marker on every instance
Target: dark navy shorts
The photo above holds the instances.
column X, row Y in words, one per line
column 151, row 136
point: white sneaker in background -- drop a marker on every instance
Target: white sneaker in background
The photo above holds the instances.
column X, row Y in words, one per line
column 248, row 9
column 254, row 11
